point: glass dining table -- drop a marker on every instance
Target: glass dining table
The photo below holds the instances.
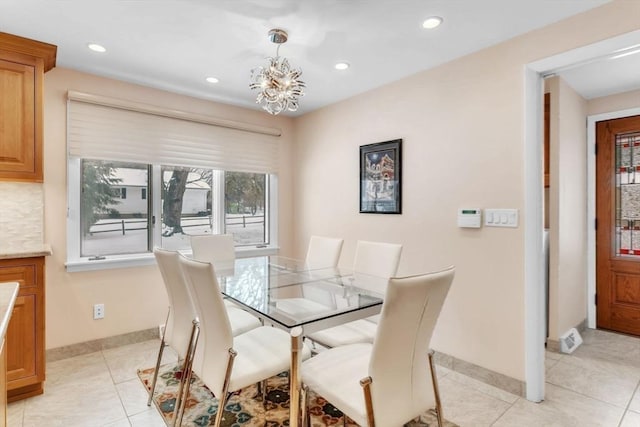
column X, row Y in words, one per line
column 289, row 295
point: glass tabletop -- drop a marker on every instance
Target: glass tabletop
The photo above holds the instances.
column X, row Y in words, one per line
column 288, row 293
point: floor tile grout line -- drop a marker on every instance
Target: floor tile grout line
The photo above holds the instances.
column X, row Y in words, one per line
column 585, row 395
column 624, row 414
column 480, row 391
column 113, row 381
column 505, row 411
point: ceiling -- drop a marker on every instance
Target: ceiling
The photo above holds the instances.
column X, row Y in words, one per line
column 175, row 44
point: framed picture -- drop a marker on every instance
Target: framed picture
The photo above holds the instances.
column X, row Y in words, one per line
column 381, row 177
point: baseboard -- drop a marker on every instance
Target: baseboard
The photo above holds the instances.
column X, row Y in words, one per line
column 479, row 373
column 78, row 349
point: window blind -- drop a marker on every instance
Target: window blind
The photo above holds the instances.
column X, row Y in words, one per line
column 108, row 129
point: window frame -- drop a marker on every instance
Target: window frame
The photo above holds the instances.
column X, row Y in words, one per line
column 77, row 263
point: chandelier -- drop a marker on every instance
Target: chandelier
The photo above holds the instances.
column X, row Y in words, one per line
column 279, row 84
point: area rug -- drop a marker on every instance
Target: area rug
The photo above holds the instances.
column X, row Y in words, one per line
column 244, row 407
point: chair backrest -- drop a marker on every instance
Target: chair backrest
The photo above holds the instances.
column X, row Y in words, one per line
column 213, row 248
column 182, row 310
column 323, row 252
column 399, row 364
column 215, row 328
column 377, row 259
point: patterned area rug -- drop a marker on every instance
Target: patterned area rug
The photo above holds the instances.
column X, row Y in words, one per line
column 244, row 407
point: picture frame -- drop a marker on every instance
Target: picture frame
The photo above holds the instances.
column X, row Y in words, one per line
column 381, row 177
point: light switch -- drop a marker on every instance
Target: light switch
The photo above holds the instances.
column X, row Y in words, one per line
column 501, row 218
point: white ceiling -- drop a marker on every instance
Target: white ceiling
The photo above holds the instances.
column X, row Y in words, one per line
column 175, row 44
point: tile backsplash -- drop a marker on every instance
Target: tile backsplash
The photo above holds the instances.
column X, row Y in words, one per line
column 21, row 213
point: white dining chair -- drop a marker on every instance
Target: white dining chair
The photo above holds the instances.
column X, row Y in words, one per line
column 232, row 362
column 213, row 248
column 322, row 252
column 373, row 259
column 182, row 321
column 218, row 249
column 393, row 380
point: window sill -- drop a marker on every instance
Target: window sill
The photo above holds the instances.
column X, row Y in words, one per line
column 139, row 260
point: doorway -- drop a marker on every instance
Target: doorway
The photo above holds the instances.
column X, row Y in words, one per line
column 618, row 225
column 534, row 312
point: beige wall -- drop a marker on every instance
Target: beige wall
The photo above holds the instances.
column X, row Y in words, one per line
column 462, row 126
column 618, row 102
column 134, row 298
column 567, row 207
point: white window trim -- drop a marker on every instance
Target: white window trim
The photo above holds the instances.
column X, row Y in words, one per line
column 76, row 263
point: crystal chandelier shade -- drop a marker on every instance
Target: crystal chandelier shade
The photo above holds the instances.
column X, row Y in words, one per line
column 279, row 84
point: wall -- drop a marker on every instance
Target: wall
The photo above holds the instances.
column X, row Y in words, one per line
column 462, row 126
column 617, row 102
column 567, row 207
column 134, row 298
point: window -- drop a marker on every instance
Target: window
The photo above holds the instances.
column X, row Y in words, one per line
column 141, row 176
column 110, row 223
column 190, row 199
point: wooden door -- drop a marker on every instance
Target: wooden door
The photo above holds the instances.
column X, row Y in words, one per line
column 618, row 225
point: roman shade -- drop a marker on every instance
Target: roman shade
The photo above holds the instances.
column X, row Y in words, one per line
column 110, row 129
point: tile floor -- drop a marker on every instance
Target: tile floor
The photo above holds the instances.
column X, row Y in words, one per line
column 598, row 385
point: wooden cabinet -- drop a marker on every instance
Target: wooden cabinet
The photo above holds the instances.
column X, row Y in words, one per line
column 23, row 63
column 25, row 334
column 3, row 384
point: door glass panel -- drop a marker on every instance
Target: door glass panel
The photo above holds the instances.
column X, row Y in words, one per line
column 628, row 194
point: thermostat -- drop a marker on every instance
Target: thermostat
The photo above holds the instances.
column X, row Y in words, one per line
column 469, row 218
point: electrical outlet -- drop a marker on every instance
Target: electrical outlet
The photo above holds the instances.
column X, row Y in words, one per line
column 160, row 330
column 98, row 311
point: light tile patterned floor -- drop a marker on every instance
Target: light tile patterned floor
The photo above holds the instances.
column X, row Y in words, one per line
column 598, row 385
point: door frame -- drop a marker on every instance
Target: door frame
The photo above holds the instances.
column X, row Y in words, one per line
column 591, row 205
column 535, row 316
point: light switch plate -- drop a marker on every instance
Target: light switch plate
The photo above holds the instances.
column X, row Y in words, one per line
column 501, row 218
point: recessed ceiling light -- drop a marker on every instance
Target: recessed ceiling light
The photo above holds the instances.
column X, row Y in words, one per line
column 212, row 80
column 432, row 22
column 341, row 66
column 96, row 47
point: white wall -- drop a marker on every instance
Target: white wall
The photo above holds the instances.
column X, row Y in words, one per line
column 567, row 208
column 462, row 126
column 134, row 298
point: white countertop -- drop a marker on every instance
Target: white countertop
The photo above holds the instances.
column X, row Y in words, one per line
column 8, row 295
column 24, row 250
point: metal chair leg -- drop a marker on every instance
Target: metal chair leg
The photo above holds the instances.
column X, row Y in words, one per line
column 225, row 388
column 366, row 386
column 305, row 406
column 187, row 371
column 160, row 351
column 436, row 389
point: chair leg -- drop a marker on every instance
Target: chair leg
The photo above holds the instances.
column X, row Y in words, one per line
column 160, row 351
column 305, row 406
column 436, row 389
column 225, row 388
column 187, row 371
column 366, row 386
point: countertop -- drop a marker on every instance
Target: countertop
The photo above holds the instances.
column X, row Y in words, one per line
column 24, row 250
column 8, row 295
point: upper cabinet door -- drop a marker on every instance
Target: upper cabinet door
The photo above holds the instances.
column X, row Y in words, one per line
column 23, row 63
column 20, row 149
